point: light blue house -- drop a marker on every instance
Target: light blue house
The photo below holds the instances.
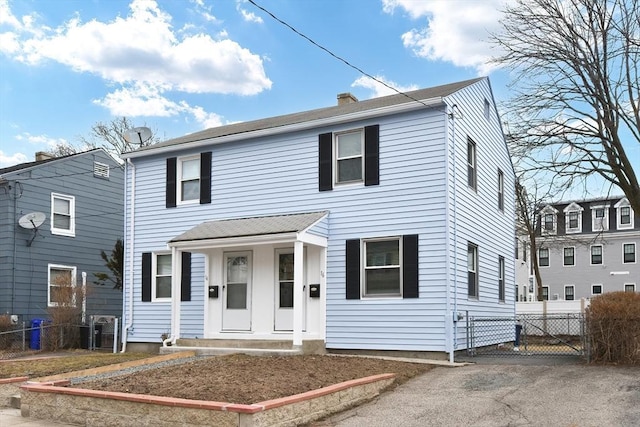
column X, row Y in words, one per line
column 372, row 225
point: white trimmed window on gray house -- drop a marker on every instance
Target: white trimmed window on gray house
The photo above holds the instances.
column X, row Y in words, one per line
column 543, row 257
column 382, row 268
column 63, row 215
column 61, row 281
column 569, row 292
column 501, row 290
column 596, row 254
column 569, row 257
column 472, row 270
column 573, row 218
column 596, row 289
column 600, row 218
column 472, row 164
column 629, row 287
column 629, row 253
column 624, row 214
column 161, row 284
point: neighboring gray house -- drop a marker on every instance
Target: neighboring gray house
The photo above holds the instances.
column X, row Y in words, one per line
column 56, row 215
column 370, row 225
column 588, row 247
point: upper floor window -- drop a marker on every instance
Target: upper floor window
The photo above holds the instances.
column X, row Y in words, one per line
column 188, row 180
column 349, row 158
column 629, row 253
column 573, row 218
column 487, row 109
column 63, row 215
column 548, row 218
column 543, row 257
column 61, row 285
column 569, row 256
column 472, row 269
column 624, row 214
column 382, row 268
column 501, row 289
column 596, row 254
column 500, row 190
column 472, row 170
column 600, row 218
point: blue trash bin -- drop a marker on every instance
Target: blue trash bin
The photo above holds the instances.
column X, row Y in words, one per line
column 34, row 343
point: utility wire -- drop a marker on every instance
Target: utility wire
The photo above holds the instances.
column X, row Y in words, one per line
column 339, row 58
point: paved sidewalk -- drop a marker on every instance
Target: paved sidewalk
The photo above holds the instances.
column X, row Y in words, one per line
column 10, row 417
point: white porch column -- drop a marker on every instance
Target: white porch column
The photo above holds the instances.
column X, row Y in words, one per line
column 176, row 274
column 298, row 283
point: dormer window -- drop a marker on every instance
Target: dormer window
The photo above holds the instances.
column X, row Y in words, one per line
column 600, row 218
column 624, row 214
column 573, row 218
column 548, row 217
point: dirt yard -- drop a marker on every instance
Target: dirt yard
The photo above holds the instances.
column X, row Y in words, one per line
column 251, row 379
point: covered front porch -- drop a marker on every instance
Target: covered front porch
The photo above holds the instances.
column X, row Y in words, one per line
column 264, row 284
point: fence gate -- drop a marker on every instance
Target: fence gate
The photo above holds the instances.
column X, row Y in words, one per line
column 527, row 335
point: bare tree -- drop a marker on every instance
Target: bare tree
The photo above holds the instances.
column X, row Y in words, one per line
column 112, row 136
column 576, row 105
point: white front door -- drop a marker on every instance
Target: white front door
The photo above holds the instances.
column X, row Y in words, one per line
column 236, row 292
column 283, row 319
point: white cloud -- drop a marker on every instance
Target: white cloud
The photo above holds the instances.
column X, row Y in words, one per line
column 148, row 100
column 6, row 17
column 143, row 48
column 453, row 34
column 378, row 89
column 246, row 15
column 7, row 160
column 40, row 139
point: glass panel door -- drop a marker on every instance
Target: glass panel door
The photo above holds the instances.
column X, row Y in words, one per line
column 237, row 292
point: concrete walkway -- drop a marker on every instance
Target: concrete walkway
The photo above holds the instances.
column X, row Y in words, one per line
column 506, row 395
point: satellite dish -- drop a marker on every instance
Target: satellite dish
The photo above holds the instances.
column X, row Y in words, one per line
column 138, row 135
column 32, row 220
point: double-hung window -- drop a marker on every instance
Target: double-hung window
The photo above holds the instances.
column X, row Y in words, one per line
column 472, row 270
column 549, row 220
column 569, row 292
column 600, row 218
column 624, row 214
column 472, row 169
column 349, row 157
column 545, row 293
column 189, row 176
column 629, row 287
column 569, row 258
column 63, row 215
column 543, row 257
column 501, row 296
column 629, row 253
column 596, row 254
column 161, row 277
column 188, row 180
column 61, row 285
column 500, row 190
column 382, row 268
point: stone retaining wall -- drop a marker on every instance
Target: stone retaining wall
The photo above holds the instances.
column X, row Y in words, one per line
column 10, row 387
column 53, row 401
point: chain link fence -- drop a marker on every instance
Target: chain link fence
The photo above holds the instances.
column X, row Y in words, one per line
column 531, row 335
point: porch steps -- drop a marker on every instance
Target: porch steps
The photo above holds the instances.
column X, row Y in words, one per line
column 216, row 347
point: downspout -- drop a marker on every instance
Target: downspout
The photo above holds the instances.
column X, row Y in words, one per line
column 15, row 238
column 453, row 287
column 129, row 300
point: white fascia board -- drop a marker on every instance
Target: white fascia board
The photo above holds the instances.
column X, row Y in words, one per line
column 345, row 118
column 234, row 241
column 313, row 239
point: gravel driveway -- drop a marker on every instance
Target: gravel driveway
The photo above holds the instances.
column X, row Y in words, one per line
column 506, row 395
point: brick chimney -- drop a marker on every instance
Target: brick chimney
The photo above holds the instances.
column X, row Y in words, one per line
column 42, row 155
column 346, row 98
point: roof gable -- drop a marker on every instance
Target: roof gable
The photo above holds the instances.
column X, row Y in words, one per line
column 30, row 165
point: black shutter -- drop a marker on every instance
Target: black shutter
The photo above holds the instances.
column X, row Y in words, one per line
column 205, row 178
column 325, row 161
column 372, row 155
column 146, row 276
column 185, row 279
column 171, row 182
column 410, row 266
column 353, row 268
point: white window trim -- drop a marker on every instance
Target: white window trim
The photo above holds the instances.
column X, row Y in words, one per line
column 71, row 232
column 335, row 158
column 601, row 254
column 624, row 203
column 154, row 274
column 49, row 284
column 476, row 271
column 565, row 292
column 474, row 166
column 605, row 219
column 624, row 287
column 601, row 289
column 635, row 252
column 547, row 288
column 179, row 162
column 502, row 297
column 574, row 256
column 573, row 208
column 548, row 258
column 363, row 272
column 500, row 190
column 552, row 211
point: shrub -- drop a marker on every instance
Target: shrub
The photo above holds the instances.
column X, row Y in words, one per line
column 613, row 324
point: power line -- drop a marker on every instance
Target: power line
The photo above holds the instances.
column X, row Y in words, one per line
column 339, row 58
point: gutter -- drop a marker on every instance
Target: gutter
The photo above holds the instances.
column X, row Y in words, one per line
column 294, row 127
column 129, row 301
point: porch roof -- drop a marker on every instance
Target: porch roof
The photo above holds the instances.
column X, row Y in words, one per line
column 250, row 227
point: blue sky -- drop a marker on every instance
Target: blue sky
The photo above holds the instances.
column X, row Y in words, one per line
column 182, row 66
